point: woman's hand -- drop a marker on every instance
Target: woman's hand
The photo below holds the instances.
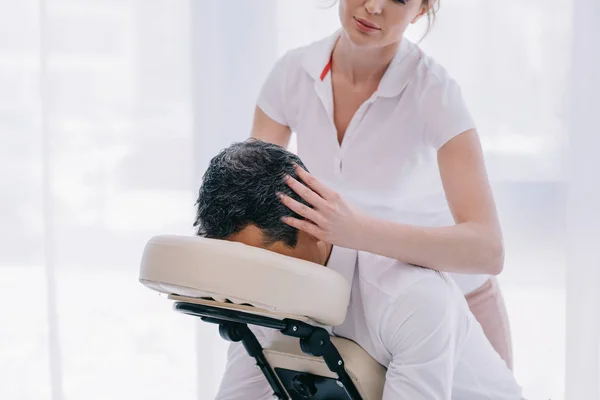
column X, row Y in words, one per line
column 331, row 219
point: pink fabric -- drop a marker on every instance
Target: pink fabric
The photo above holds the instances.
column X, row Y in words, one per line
column 487, row 304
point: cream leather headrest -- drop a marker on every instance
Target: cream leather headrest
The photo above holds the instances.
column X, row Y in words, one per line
column 227, row 271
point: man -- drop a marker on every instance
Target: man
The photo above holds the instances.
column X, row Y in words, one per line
column 414, row 321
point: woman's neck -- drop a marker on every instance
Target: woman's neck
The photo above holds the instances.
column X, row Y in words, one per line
column 360, row 65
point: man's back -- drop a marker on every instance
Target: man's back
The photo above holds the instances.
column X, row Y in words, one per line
column 416, row 322
column 413, row 321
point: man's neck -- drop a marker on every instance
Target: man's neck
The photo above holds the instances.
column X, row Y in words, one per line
column 328, row 250
column 307, row 248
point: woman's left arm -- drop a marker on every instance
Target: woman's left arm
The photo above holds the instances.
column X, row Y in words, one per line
column 473, row 245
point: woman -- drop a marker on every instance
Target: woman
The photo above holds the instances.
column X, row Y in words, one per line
column 398, row 159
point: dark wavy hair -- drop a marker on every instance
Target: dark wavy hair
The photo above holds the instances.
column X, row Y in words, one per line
column 240, row 188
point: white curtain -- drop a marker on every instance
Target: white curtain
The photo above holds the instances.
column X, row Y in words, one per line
column 110, row 111
column 509, row 57
column 96, row 156
column 583, row 214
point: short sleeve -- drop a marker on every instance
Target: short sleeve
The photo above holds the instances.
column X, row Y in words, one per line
column 446, row 112
column 271, row 99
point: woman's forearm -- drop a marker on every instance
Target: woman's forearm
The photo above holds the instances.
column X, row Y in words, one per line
column 466, row 248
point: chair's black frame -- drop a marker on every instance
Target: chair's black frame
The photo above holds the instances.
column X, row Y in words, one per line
column 315, row 341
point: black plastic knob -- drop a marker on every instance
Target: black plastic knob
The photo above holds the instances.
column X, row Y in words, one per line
column 304, row 385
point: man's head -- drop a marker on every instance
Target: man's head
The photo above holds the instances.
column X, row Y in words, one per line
column 238, row 200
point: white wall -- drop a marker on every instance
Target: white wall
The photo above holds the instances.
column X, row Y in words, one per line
column 583, row 257
column 234, row 44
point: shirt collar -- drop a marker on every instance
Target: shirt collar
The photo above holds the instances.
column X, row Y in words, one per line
column 317, row 62
column 318, row 56
column 343, row 261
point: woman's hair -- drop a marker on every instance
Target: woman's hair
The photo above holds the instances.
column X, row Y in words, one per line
column 433, row 7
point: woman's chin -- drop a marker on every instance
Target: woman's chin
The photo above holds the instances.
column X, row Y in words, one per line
column 361, row 39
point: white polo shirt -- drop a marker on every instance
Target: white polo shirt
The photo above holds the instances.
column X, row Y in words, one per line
column 387, row 163
column 413, row 321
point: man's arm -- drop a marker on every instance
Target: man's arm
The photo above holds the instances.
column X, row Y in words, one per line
column 242, row 380
column 423, row 333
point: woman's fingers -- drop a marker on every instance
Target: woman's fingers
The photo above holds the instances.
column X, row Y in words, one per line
column 306, row 193
column 315, row 184
column 301, row 209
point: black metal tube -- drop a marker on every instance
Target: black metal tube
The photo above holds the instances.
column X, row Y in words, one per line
column 349, row 385
column 222, row 314
column 255, row 350
column 288, row 327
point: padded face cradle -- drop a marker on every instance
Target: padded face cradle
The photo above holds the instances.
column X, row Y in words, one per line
column 228, row 271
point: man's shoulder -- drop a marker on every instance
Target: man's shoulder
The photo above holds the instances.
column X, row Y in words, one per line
column 396, row 280
column 402, row 292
